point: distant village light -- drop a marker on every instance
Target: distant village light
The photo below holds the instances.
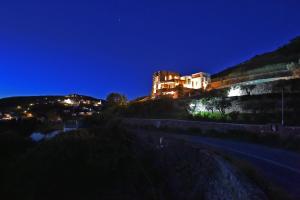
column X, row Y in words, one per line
column 7, row 117
column 29, row 115
column 68, row 101
column 99, row 103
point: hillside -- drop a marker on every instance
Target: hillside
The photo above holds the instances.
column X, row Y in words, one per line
column 285, row 54
column 25, row 100
column 52, row 108
column 107, row 161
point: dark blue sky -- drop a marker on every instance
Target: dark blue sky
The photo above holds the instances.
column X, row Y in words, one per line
column 96, row 47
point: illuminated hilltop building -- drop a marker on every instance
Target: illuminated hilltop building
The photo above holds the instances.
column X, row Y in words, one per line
column 262, row 78
column 166, row 83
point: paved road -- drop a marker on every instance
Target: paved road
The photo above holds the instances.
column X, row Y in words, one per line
column 279, row 166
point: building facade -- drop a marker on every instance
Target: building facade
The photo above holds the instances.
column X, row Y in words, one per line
column 166, row 83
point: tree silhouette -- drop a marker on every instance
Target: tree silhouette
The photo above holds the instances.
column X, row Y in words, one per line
column 248, row 88
column 116, row 99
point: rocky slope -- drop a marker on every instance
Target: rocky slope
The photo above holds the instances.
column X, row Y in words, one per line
column 196, row 172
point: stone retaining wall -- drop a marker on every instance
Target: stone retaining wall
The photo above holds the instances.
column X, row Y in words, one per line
column 221, row 127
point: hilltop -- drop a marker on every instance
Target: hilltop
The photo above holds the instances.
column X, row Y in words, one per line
column 286, row 54
column 24, row 100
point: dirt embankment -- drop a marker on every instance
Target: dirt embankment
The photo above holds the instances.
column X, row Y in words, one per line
column 195, row 172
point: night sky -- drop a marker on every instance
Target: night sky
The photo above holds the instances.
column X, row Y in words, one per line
column 97, row 47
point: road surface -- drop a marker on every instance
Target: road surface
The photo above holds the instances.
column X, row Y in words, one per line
column 281, row 167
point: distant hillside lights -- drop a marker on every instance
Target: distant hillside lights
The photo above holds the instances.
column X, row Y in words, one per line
column 7, row 117
column 98, row 104
column 75, row 100
column 166, row 83
column 68, row 102
column 71, row 105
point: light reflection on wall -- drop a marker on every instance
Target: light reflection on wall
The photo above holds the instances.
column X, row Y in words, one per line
column 235, row 91
column 196, row 107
